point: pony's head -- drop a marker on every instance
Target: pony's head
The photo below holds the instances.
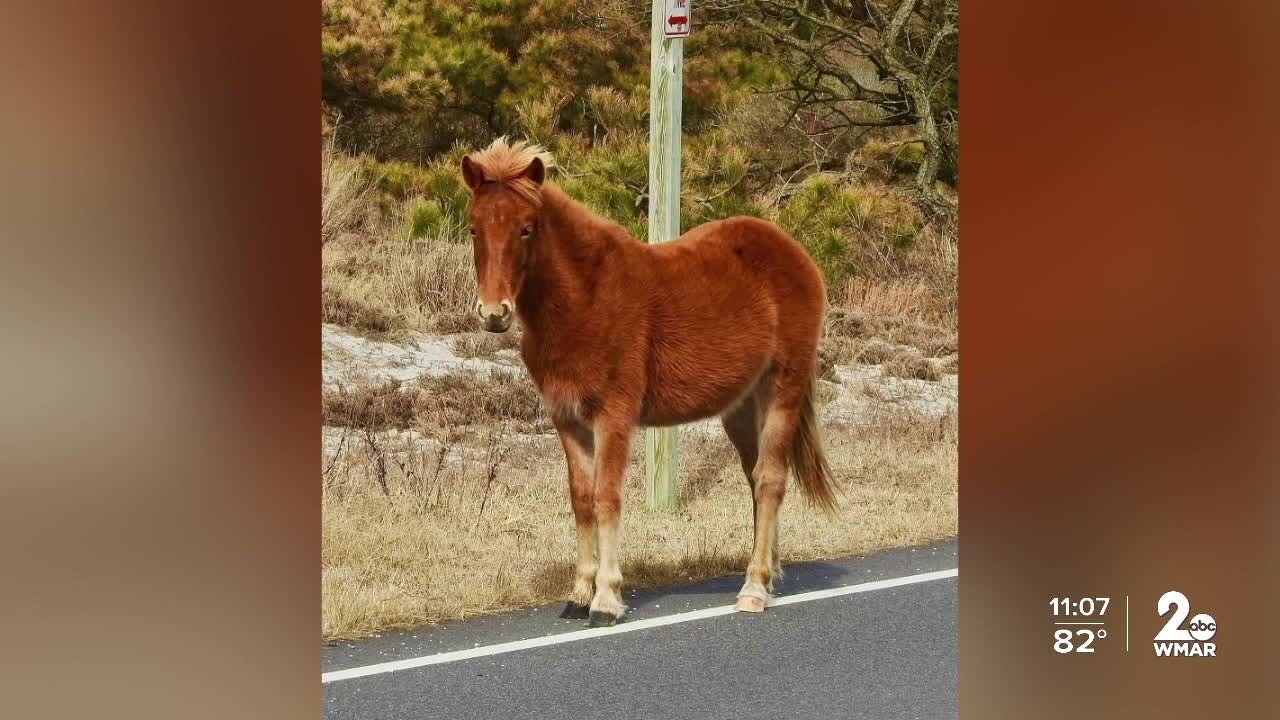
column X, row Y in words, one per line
column 506, row 182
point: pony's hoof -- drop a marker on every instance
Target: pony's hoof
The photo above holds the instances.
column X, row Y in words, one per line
column 598, row 618
column 574, row 611
column 750, row 603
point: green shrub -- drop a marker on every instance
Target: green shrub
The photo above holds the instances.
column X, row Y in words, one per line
column 433, row 198
column 396, row 180
column 818, row 218
column 611, row 179
column 890, row 160
column 852, row 230
column 442, row 182
column 426, row 219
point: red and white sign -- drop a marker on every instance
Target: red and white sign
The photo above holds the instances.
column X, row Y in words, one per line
column 676, row 13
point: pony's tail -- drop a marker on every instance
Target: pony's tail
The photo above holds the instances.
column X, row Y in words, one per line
column 807, row 460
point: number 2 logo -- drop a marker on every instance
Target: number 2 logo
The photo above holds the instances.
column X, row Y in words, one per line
column 1203, row 626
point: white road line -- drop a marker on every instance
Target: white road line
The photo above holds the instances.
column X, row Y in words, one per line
column 626, row 627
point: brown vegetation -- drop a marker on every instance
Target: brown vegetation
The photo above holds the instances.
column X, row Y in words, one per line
column 484, row 344
column 407, row 554
column 912, row 366
column 389, row 286
column 456, row 398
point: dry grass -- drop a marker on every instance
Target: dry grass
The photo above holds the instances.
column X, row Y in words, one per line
column 898, row 323
column 457, row 398
column 873, row 352
column 344, row 192
column 936, row 260
column 384, row 285
column 902, row 356
column 912, row 366
column 384, row 269
column 485, row 344
column 451, row 528
column 902, row 312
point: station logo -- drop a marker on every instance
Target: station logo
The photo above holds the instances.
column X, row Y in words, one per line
column 1174, row 640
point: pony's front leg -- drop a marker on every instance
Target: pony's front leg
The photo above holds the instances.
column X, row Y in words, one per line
column 613, row 444
column 579, row 454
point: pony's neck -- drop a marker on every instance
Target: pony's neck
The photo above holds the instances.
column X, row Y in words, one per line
column 574, row 246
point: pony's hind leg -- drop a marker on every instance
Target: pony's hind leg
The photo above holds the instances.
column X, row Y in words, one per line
column 743, row 424
column 780, row 413
column 579, row 455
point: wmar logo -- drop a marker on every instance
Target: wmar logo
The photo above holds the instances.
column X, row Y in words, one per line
column 1175, row 641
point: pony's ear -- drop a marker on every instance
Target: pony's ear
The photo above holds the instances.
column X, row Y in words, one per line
column 472, row 173
column 537, row 172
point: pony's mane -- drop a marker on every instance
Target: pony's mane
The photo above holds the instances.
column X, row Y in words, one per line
column 506, row 162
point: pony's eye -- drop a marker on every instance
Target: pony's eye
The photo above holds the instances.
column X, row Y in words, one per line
column 472, row 231
column 526, row 231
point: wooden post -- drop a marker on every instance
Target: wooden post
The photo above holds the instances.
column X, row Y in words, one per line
column 666, row 74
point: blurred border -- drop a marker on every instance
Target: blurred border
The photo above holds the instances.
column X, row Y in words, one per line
column 1119, row 327
column 160, row 286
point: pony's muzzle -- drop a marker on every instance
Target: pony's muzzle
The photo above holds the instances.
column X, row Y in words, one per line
column 497, row 317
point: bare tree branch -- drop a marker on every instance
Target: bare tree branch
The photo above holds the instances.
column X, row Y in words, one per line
column 868, row 64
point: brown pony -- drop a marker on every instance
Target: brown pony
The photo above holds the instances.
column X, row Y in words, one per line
column 617, row 333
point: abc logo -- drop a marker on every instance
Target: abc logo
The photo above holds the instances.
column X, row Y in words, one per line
column 1203, row 627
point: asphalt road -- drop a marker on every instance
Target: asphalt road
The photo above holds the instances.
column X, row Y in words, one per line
column 882, row 653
